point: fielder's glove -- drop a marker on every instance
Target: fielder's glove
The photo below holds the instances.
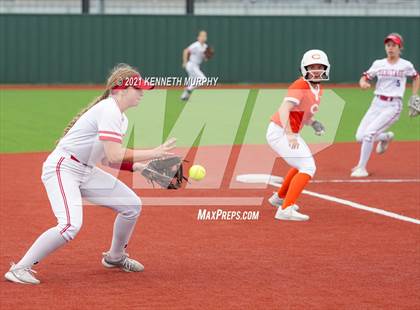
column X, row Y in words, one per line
column 167, row 172
column 318, row 127
column 414, row 106
column 209, row 52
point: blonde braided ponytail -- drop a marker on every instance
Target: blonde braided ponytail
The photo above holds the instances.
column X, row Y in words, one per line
column 118, row 73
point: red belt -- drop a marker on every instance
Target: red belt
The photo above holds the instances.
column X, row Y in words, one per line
column 385, row 98
column 75, row 159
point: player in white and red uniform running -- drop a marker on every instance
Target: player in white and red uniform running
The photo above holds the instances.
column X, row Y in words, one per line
column 192, row 57
column 391, row 73
column 298, row 108
column 70, row 174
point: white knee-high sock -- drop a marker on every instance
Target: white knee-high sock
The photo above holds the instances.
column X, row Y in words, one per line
column 48, row 242
column 123, row 228
column 365, row 152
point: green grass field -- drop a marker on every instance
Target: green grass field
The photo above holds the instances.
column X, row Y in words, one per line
column 32, row 120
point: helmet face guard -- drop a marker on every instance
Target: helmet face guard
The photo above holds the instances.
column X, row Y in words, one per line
column 317, row 75
column 315, row 57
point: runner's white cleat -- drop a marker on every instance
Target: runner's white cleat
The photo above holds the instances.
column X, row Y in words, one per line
column 290, row 214
column 359, row 172
column 276, row 201
column 382, row 146
column 125, row 263
column 23, row 275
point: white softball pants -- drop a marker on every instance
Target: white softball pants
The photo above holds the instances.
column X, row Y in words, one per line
column 194, row 72
column 67, row 182
column 380, row 116
column 300, row 158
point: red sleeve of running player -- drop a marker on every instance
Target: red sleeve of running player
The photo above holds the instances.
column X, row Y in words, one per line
column 371, row 73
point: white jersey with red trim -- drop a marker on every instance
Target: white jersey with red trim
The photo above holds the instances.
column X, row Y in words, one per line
column 391, row 78
column 103, row 122
column 197, row 50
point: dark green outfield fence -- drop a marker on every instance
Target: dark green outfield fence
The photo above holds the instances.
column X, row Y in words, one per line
column 82, row 48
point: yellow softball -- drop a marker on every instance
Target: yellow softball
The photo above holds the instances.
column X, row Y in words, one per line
column 197, row 172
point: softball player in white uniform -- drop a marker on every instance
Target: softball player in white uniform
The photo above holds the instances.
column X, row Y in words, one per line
column 391, row 74
column 192, row 58
column 69, row 174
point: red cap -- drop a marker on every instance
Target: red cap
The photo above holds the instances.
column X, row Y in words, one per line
column 394, row 38
column 134, row 81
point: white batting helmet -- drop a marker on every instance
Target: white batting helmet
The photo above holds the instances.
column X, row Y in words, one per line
column 315, row 57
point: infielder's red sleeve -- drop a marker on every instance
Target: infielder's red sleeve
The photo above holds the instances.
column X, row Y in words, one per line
column 125, row 165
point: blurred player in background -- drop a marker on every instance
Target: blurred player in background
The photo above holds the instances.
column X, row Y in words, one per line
column 298, row 108
column 391, row 73
column 192, row 57
column 70, row 174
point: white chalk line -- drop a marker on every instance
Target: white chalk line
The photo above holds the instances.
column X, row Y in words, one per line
column 368, row 181
column 363, row 207
column 267, row 178
column 358, row 206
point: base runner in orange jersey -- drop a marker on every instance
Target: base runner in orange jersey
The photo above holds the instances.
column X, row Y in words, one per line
column 297, row 110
